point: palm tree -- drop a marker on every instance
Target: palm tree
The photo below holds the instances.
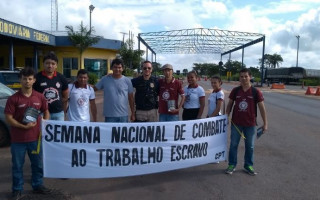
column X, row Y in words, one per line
column 82, row 39
column 272, row 60
column 275, row 60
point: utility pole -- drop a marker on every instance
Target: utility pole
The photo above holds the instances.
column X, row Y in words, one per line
column 298, row 37
column 91, row 7
column 123, row 34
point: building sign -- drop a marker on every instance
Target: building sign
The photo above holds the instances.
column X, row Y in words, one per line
column 22, row 32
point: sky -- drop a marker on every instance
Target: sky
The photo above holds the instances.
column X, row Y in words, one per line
column 280, row 21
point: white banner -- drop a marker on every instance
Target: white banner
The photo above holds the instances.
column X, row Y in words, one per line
column 100, row 150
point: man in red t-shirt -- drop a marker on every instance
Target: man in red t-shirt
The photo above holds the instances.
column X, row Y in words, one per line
column 169, row 92
column 22, row 113
column 243, row 120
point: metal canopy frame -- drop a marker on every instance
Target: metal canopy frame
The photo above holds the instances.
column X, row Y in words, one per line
column 199, row 41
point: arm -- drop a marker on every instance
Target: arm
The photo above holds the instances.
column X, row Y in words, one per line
column 93, row 109
column 263, row 115
column 46, row 114
column 229, row 107
column 12, row 122
column 65, row 96
column 131, row 103
column 218, row 108
column 183, row 98
column 202, row 104
column 94, row 87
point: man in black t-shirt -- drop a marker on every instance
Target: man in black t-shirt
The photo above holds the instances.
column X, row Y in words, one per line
column 53, row 86
column 146, row 95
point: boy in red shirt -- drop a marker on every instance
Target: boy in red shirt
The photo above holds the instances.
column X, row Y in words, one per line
column 243, row 120
column 22, row 113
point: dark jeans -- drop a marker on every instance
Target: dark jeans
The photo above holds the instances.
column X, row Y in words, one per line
column 249, row 134
column 18, row 152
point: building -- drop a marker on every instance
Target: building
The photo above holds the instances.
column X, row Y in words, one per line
column 22, row 46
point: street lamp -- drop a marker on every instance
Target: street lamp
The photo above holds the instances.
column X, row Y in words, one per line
column 298, row 37
column 91, row 7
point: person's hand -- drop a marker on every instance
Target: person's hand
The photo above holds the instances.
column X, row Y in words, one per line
column 265, row 128
column 174, row 111
column 30, row 125
column 133, row 118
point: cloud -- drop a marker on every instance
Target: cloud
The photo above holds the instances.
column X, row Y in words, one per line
column 213, row 9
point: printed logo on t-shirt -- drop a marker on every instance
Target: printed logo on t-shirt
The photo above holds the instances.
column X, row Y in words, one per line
column 58, row 85
column 82, row 100
column 51, row 94
column 151, row 85
column 243, row 105
column 22, row 105
column 166, row 95
column 43, row 84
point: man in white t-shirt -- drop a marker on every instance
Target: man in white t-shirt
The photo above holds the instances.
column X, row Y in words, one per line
column 81, row 99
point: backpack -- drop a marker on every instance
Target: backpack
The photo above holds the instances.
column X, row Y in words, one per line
column 254, row 94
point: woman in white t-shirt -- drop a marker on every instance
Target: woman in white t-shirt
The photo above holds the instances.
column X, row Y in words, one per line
column 216, row 98
column 195, row 98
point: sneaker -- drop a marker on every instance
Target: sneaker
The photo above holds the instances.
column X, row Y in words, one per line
column 42, row 190
column 16, row 195
column 230, row 169
column 249, row 169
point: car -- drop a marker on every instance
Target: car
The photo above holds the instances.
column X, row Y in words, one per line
column 10, row 79
column 5, row 93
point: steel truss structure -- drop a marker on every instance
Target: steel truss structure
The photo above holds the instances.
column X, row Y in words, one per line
column 196, row 41
column 199, row 41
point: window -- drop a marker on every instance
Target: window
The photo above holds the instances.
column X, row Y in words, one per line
column 97, row 66
column 68, row 65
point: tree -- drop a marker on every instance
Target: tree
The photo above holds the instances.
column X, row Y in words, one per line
column 233, row 66
column 82, row 39
column 275, row 60
column 272, row 60
column 131, row 58
column 185, row 71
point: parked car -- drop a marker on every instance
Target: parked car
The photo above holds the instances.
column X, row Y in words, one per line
column 5, row 93
column 10, row 79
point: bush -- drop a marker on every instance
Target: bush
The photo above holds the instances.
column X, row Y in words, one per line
column 128, row 72
column 310, row 82
column 93, row 79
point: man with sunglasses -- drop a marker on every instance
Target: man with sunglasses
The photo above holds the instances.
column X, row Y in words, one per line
column 146, row 95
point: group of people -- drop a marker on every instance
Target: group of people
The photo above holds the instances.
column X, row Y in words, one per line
column 49, row 93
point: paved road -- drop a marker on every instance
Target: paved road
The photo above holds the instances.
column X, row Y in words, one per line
column 286, row 159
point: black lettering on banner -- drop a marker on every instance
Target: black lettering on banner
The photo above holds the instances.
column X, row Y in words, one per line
column 209, row 128
column 134, row 156
column 219, row 155
column 126, row 160
column 72, row 134
column 178, row 132
column 49, row 135
column 190, row 151
column 100, row 155
column 79, row 158
column 138, row 134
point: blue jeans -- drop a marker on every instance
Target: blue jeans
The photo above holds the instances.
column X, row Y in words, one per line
column 57, row 116
column 18, row 151
column 249, row 134
column 123, row 119
column 168, row 118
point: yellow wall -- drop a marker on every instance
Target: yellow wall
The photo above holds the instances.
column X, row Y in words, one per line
column 22, row 52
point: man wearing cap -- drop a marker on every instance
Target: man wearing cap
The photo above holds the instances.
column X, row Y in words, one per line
column 170, row 89
column 146, row 95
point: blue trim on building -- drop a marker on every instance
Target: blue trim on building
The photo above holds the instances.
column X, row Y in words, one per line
column 102, row 44
column 14, row 30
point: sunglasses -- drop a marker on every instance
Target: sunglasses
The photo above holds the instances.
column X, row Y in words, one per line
column 145, row 68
